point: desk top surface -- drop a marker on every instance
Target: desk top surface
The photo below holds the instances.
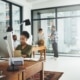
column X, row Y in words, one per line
column 27, row 64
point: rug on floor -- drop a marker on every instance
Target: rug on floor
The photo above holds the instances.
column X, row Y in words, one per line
column 48, row 75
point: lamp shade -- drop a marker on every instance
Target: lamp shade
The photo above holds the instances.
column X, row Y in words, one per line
column 27, row 22
column 9, row 29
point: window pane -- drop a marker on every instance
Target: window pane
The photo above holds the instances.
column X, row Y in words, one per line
column 46, row 26
column 4, row 15
column 69, row 11
column 69, row 35
column 50, row 13
column 16, row 20
column 36, row 25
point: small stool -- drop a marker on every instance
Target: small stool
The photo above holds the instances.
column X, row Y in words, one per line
column 41, row 50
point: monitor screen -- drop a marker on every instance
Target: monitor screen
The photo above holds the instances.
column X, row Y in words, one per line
column 4, row 47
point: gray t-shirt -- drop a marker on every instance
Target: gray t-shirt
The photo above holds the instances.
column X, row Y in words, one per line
column 41, row 37
column 53, row 36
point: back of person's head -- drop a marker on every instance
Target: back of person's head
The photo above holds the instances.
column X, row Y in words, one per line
column 40, row 29
column 14, row 37
column 26, row 34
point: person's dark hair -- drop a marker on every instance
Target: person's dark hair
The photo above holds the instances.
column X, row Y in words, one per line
column 14, row 37
column 26, row 34
column 53, row 26
column 40, row 29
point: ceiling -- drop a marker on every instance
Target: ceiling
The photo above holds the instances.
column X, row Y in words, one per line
column 36, row 1
column 32, row 0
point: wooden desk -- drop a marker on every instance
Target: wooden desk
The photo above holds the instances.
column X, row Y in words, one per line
column 29, row 69
column 37, row 48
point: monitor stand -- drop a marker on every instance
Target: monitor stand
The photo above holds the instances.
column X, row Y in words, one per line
column 13, row 68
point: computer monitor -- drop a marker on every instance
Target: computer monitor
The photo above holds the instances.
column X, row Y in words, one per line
column 7, row 50
column 6, row 38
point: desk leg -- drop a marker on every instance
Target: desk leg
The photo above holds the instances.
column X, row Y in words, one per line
column 33, row 54
column 42, row 73
column 44, row 54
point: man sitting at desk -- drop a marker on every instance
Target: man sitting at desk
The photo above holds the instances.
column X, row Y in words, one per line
column 26, row 50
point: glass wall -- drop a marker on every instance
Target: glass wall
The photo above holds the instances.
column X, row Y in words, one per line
column 68, row 30
column 10, row 16
column 66, row 20
column 68, row 36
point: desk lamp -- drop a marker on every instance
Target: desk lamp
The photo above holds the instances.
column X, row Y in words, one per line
column 27, row 22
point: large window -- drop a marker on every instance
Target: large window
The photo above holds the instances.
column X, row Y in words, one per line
column 4, row 15
column 10, row 16
column 68, row 29
column 67, row 22
column 44, row 19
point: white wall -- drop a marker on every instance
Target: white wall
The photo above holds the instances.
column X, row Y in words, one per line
column 54, row 3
